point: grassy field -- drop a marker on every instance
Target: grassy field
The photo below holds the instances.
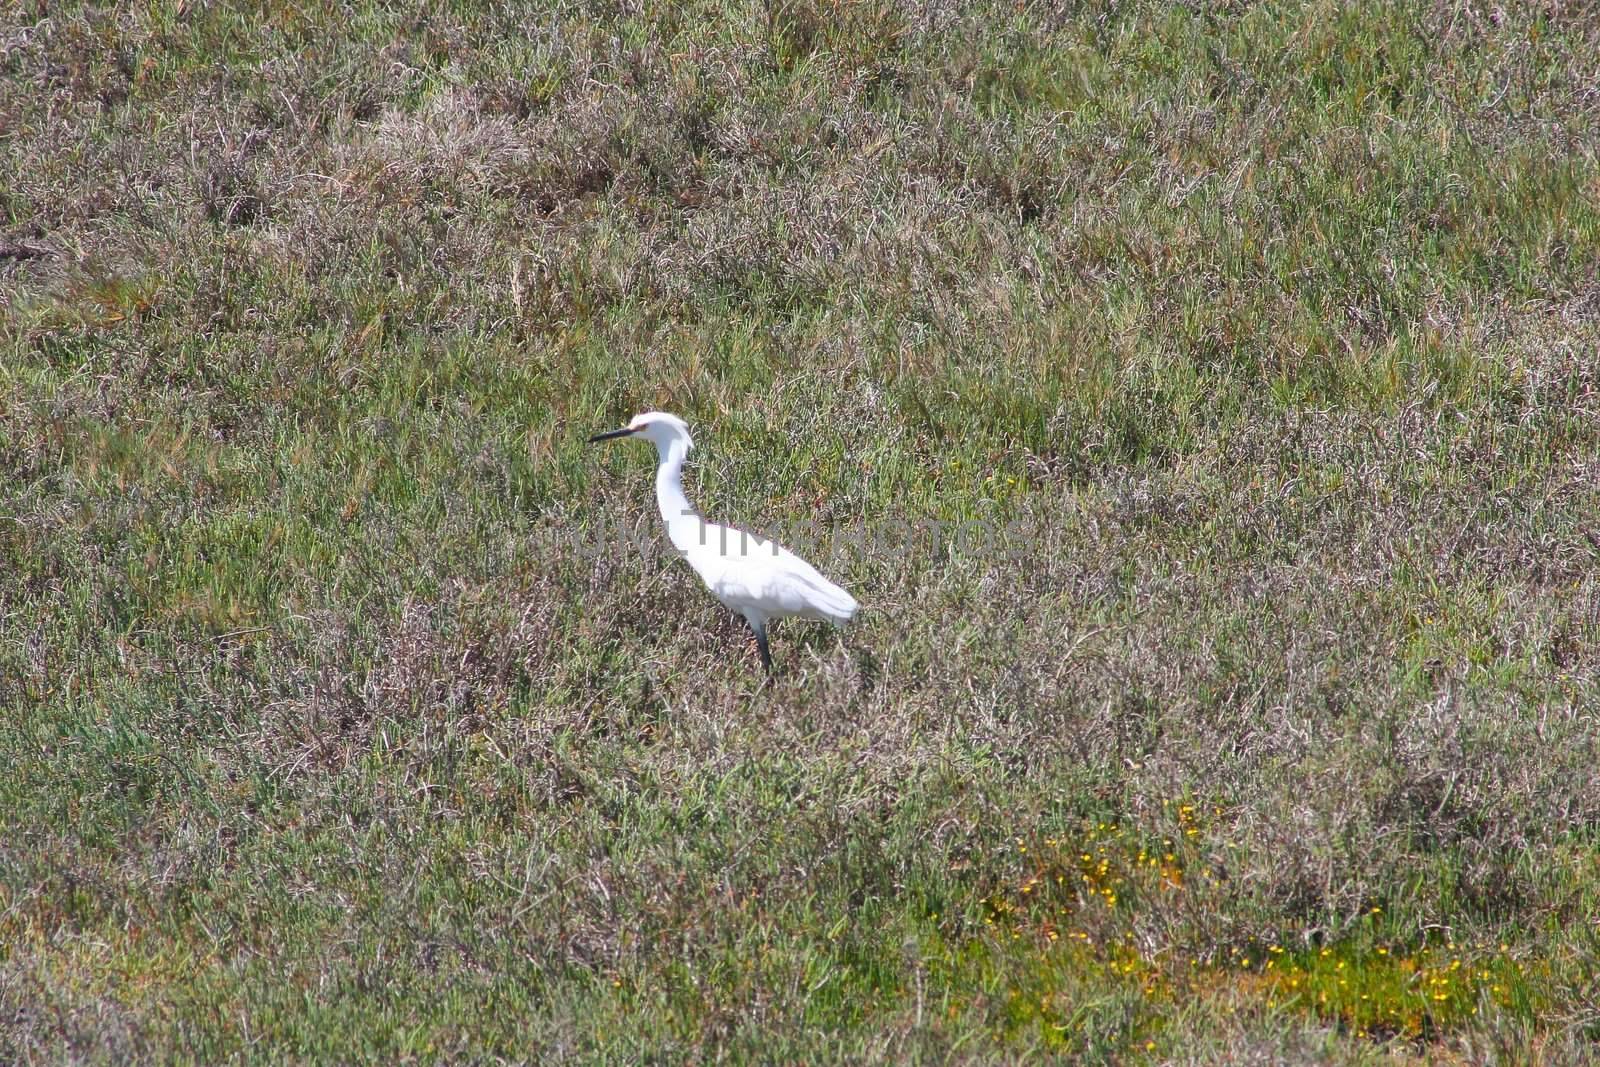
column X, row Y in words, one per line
column 327, row 735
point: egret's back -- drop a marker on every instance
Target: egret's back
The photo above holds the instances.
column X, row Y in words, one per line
column 746, row 572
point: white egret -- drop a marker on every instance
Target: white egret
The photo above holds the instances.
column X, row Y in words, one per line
column 754, row 577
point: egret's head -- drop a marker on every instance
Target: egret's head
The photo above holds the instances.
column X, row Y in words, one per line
column 657, row 427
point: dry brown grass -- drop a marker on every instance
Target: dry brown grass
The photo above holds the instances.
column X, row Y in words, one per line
column 326, row 738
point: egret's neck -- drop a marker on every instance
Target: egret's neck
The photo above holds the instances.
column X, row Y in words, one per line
column 683, row 525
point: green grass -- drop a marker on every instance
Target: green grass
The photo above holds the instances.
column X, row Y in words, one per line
column 325, row 735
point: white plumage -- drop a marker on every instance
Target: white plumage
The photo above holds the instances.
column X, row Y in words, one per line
column 754, row 577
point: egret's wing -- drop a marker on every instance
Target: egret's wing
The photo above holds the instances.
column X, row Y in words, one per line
column 743, row 568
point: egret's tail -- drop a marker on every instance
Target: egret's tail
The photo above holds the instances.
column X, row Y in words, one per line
column 833, row 603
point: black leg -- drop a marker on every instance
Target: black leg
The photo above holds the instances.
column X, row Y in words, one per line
column 760, row 630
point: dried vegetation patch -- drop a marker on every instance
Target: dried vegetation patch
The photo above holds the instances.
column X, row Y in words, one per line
column 351, row 711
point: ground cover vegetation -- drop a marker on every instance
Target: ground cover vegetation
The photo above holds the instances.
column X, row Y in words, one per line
column 325, row 734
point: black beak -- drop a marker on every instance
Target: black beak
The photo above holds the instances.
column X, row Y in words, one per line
column 625, row 431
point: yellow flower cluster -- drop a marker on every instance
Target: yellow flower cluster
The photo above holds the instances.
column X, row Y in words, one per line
column 1077, row 895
